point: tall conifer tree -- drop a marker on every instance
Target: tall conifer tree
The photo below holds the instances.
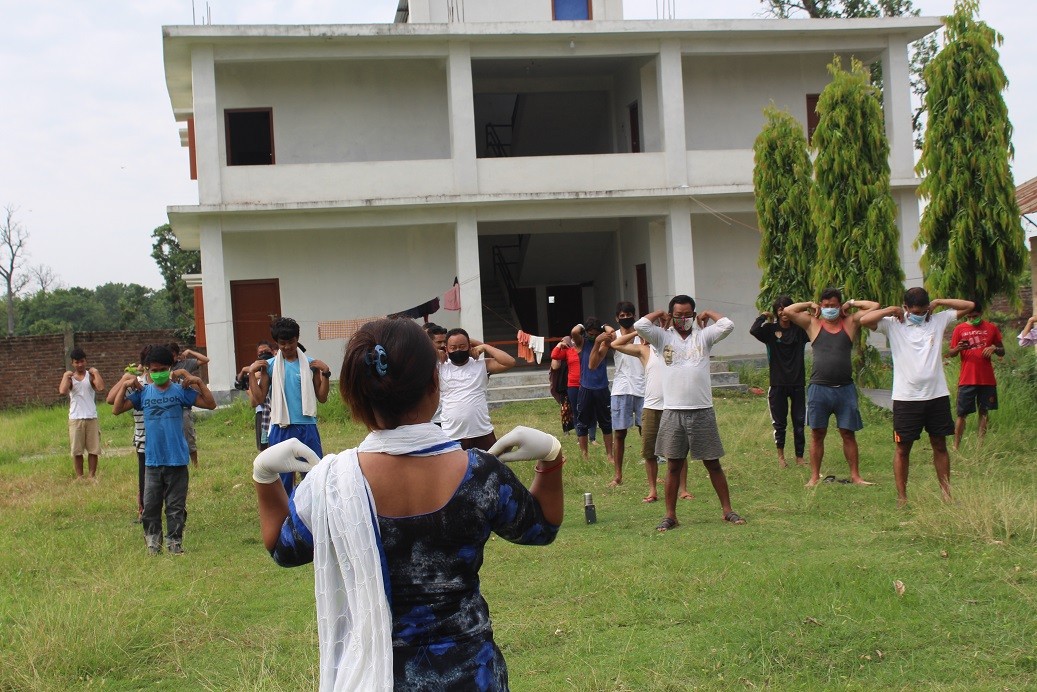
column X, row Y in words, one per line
column 850, row 202
column 974, row 244
column 781, row 178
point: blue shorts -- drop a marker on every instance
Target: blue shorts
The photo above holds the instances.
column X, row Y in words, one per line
column 626, row 410
column 306, row 433
column 823, row 401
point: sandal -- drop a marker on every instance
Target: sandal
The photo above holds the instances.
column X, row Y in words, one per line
column 650, row 498
column 733, row 518
column 666, row 524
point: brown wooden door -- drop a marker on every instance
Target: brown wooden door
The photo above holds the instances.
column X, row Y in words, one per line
column 635, row 128
column 642, row 289
column 253, row 303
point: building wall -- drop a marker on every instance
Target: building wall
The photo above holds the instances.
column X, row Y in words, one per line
column 724, row 97
column 332, row 111
column 347, row 274
column 439, row 11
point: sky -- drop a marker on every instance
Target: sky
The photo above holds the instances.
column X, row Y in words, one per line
column 90, row 155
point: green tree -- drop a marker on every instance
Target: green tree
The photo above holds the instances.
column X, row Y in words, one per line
column 922, row 50
column 851, row 205
column 173, row 262
column 974, row 242
column 781, row 179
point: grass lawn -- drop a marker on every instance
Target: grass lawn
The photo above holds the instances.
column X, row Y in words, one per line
column 801, row 597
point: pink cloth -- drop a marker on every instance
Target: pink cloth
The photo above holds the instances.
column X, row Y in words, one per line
column 452, row 298
column 523, row 346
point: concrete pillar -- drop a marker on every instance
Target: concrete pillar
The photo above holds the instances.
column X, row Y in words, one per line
column 907, row 220
column 466, row 248
column 461, row 104
column 680, row 256
column 206, row 125
column 219, row 327
column 896, row 102
column 670, row 87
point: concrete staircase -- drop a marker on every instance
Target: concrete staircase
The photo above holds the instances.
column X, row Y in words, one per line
column 529, row 382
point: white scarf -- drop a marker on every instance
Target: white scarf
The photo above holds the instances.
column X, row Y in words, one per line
column 279, row 414
column 354, row 624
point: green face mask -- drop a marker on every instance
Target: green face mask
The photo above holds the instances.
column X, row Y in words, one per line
column 160, row 378
column 975, row 322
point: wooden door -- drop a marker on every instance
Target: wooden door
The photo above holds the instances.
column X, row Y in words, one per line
column 642, row 289
column 635, row 128
column 254, row 304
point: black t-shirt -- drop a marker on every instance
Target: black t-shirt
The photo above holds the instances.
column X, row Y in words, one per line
column 784, row 351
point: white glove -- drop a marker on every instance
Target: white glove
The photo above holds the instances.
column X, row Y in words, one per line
column 524, row 443
column 284, row 457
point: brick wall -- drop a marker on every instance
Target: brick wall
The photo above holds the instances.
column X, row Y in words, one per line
column 31, row 366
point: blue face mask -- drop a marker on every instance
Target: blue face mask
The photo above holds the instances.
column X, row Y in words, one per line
column 829, row 313
column 917, row 320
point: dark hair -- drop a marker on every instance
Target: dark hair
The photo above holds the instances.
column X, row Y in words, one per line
column 681, row 300
column 284, row 329
column 780, row 303
column 457, row 330
column 592, row 323
column 161, row 355
column 381, row 386
column 174, row 348
column 144, row 352
column 433, row 329
column 977, row 305
column 264, row 342
column 77, row 354
column 625, row 306
column 916, row 297
column 832, row 292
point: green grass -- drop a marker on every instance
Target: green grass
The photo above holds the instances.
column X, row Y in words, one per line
column 801, row 597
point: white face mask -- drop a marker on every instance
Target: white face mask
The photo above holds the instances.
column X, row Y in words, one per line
column 829, row 313
column 684, row 323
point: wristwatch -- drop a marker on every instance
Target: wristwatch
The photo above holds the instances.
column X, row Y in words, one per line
column 326, row 373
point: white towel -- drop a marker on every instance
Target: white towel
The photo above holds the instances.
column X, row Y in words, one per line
column 354, row 625
column 278, row 403
column 536, row 345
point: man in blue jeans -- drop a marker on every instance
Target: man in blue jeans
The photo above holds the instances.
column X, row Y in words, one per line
column 594, row 401
column 166, row 456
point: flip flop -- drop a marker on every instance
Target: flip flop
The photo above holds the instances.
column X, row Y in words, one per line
column 828, row 479
column 649, row 499
column 666, row 524
column 733, row 518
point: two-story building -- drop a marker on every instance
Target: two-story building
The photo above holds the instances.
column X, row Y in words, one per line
column 348, row 171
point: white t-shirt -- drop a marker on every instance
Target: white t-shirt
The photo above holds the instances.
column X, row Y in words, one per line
column 629, row 375
column 462, row 398
column 654, row 381
column 685, row 361
column 83, row 405
column 917, row 356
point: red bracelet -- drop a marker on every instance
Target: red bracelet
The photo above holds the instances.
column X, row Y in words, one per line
column 553, row 468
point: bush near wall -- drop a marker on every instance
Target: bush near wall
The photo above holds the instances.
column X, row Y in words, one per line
column 31, row 366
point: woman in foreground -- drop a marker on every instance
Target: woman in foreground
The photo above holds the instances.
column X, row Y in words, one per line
column 396, row 527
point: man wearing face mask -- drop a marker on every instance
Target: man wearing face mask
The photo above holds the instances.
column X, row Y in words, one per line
column 463, row 377
column 832, row 328
column 977, row 342
column 688, row 424
column 921, row 398
column 264, row 351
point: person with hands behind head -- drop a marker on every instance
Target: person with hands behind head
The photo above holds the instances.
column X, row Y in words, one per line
column 688, row 424
column 137, row 371
column 166, row 456
column 406, row 513
column 628, row 386
column 921, row 398
column 295, row 384
column 188, row 361
column 593, row 401
column 977, row 342
column 1028, row 336
column 82, row 384
column 464, row 373
column 832, row 326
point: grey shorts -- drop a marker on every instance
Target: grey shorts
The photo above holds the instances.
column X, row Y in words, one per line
column 189, row 434
column 689, row 431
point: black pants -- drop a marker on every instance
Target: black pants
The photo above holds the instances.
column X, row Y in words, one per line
column 778, row 396
column 165, row 485
column 140, row 481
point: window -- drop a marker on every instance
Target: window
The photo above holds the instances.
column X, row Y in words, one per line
column 571, row 9
column 250, row 136
column 812, row 116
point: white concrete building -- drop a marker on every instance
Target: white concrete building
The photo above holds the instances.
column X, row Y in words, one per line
column 347, row 171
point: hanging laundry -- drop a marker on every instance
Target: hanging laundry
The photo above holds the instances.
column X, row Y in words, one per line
column 523, row 346
column 342, row 329
column 420, row 312
column 536, row 345
column 452, row 298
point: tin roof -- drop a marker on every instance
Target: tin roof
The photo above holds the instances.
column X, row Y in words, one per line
column 1026, row 196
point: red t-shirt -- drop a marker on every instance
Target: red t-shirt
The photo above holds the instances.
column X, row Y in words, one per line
column 572, row 358
column 975, row 369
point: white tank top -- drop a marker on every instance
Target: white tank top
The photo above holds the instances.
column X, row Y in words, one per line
column 81, row 396
column 653, row 381
column 629, row 375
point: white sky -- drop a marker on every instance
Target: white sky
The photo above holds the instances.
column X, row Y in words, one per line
column 90, row 155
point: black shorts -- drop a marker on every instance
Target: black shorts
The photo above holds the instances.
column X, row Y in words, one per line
column 973, row 396
column 909, row 417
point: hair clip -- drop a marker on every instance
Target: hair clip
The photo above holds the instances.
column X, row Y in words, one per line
column 378, row 359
